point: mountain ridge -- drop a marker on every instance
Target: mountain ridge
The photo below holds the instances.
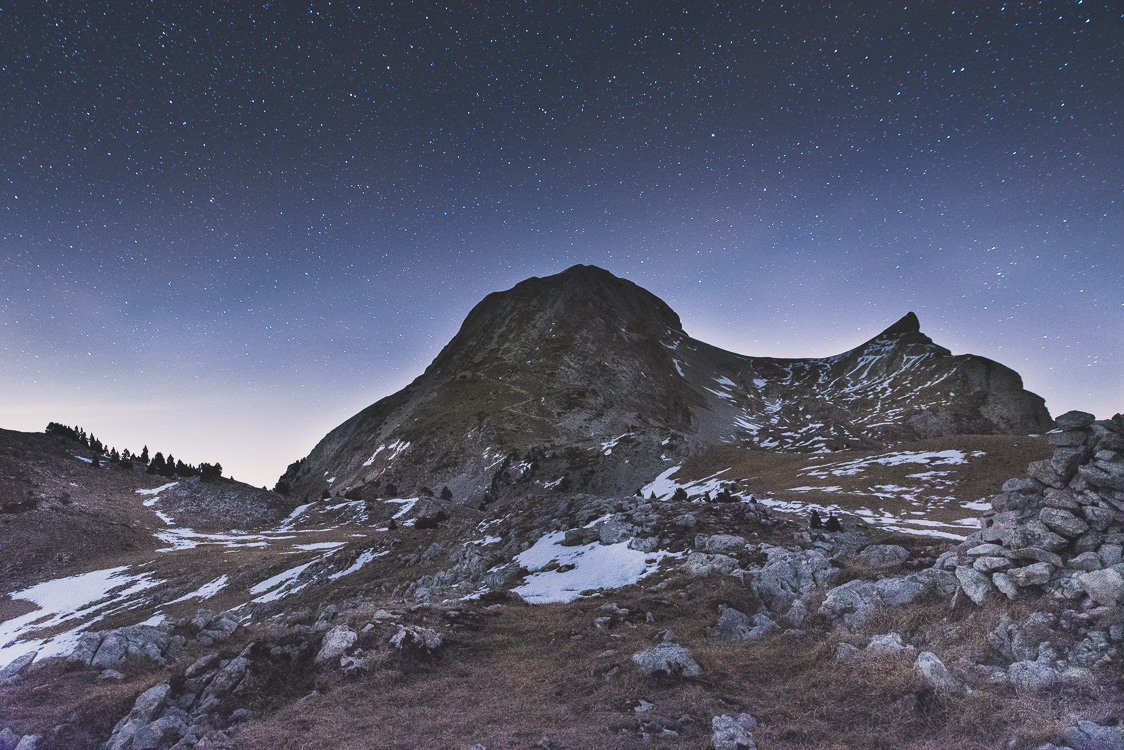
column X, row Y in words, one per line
column 586, row 359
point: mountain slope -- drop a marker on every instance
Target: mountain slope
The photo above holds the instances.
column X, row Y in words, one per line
column 586, row 381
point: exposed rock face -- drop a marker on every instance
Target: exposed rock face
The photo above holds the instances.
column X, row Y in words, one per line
column 588, row 378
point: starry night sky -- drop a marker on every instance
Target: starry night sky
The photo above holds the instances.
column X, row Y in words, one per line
column 225, row 228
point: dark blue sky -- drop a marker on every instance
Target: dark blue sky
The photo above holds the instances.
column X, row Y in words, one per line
column 223, row 230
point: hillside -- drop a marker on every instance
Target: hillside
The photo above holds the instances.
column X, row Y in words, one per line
column 588, row 380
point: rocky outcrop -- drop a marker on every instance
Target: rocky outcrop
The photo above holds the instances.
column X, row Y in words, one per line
column 1060, row 529
column 105, row 649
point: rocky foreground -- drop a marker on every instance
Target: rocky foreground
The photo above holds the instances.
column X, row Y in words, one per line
column 688, row 622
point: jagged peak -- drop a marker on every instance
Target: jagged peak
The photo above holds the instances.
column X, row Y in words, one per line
column 908, row 323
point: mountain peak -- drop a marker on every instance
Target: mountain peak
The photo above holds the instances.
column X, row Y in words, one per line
column 908, row 323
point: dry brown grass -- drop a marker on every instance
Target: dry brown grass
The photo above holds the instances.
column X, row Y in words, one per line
column 546, row 671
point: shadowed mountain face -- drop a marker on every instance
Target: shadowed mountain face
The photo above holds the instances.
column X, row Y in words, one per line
column 585, row 382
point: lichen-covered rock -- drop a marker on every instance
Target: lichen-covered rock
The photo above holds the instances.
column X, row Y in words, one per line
column 336, row 643
column 732, row 732
column 1035, row 574
column 668, row 658
column 702, row 563
column 1089, row 735
column 933, row 671
column 12, row 671
column 416, row 639
column 884, row 555
column 974, row 583
column 1031, row 676
column 1103, row 586
column 789, row 575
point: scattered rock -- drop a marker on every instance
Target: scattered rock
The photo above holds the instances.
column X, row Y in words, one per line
column 732, row 733
column 890, row 643
column 933, row 671
column 1089, row 735
column 336, row 642
column 415, row 638
column 667, row 657
column 1031, row 676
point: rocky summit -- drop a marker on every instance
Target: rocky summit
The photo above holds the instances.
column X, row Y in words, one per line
column 581, row 528
column 587, row 380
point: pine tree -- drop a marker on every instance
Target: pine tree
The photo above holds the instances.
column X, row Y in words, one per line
column 144, row 455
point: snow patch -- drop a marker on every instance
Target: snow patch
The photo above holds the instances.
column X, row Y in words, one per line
column 581, row 569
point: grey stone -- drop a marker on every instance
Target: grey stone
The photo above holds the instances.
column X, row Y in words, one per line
column 845, row 652
column 416, row 638
column 851, row 604
column 1074, row 420
column 28, row 742
column 336, row 643
column 1045, row 473
column 110, row 674
column 1002, row 528
column 1035, row 574
column 732, row 733
column 8, row 739
column 1111, row 554
column 1031, row 676
column 1088, row 735
column 1038, row 534
column 899, row 591
column 991, row 564
column 614, row 530
column 1103, row 586
column 1038, row 555
column 86, row 647
column 788, row 576
column 888, row 643
column 725, row 543
column 732, row 625
column 15, row 666
column 1098, row 476
column 1003, row 582
column 1020, row 484
column 974, row 583
column 1070, row 439
column 987, row 550
column 1065, row 499
column 149, row 703
column 670, row 658
column 1063, row 522
column 933, row 671
column 702, row 563
column 111, row 651
column 884, row 555
column 225, row 681
column 1098, row 517
column 1086, row 561
column 1066, row 460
